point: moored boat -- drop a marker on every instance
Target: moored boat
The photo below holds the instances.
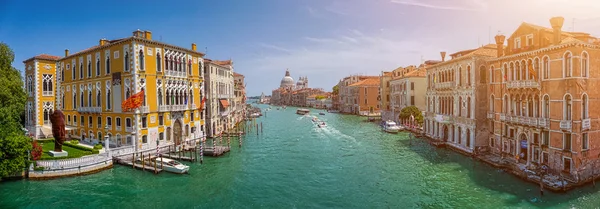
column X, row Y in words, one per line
column 171, row 165
column 321, row 113
column 391, row 127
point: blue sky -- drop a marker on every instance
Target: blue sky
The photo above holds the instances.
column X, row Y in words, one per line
column 322, row 39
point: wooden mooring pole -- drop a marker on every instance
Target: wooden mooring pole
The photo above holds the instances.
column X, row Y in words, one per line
column 133, row 160
column 261, row 127
column 201, row 150
column 143, row 164
column 155, row 171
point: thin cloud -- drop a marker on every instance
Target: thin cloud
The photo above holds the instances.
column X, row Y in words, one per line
column 434, row 6
column 274, row 47
column 311, row 11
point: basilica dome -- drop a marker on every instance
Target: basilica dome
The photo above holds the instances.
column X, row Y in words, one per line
column 287, row 81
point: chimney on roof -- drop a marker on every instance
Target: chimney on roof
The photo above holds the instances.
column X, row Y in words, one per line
column 66, row 52
column 138, row 33
column 443, row 56
column 500, row 44
column 148, row 35
column 557, row 23
column 103, row 41
column 193, row 46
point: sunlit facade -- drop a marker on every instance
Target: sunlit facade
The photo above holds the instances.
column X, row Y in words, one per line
column 94, row 82
column 40, row 86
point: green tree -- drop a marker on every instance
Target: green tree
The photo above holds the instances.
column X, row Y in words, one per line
column 335, row 89
column 412, row 110
column 14, row 145
column 319, row 97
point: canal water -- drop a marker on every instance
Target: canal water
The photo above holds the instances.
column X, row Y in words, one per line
column 294, row 164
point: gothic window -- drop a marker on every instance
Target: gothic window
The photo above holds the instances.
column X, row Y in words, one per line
column 89, row 98
column 160, row 97
column 492, row 103
column 190, row 66
column 584, row 107
column 126, row 59
column 82, row 103
column 80, row 70
column 567, row 107
column 567, row 64
column 546, row 67
column 98, row 67
column 89, row 68
column 141, row 59
column 468, row 75
column 144, row 97
column 158, row 63
column 108, row 101
column 74, row 99
column 107, row 65
column 98, row 98
column 73, row 72
column 46, row 116
column 584, row 64
column 47, row 86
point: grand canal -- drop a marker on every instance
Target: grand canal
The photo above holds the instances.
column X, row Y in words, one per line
column 293, row 164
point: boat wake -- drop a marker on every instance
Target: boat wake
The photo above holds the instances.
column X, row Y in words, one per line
column 332, row 132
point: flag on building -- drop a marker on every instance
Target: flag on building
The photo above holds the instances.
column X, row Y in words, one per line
column 202, row 104
column 133, row 102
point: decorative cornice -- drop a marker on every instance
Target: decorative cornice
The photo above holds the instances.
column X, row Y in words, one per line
column 547, row 49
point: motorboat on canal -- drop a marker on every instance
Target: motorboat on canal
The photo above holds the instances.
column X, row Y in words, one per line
column 391, row 127
column 315, row 119
column 322, row 124
column 321, row 113
column 171, row 165
column 302, row 111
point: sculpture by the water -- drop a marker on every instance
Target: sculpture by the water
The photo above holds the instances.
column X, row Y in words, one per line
column 58, row 129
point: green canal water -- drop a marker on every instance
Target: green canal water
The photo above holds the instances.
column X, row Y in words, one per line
column 293, row 164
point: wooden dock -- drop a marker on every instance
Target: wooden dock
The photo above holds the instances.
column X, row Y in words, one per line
column 220, row 150
column 175, row 156
column 140, row 166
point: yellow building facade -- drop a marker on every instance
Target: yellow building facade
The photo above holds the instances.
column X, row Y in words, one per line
column 40, row 85
column 93, row 83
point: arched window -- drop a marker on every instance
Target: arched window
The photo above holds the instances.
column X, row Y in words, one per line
column 567, row 64
column 546, row 67
column 469, row 75
column 126, row 59
column 460, row 76
column 168, row 100
column 584, row 107
column 584, row 64
column 97, row 67
column 492, row 103
column 468, row 107
column 108, row 65
column 89, row 98
column 80, row 70
column 108, row 101
column 483, row 75
column 190, row 66
column 460, row 105
column 144, row 101
column 72, row 72
column 46, row 116
column 89, row 68
column 62, row 103
column 536, row 67
column 74, row 99
column 158, row 63
column 167, row 62
column 505, row 106
column 567, row 107
column 546, row 107
column 127, row 93
column 82, row 99
column 191, row 96
column 141, row 59
column 160, row 97
column 98, row 99
column 518, row 71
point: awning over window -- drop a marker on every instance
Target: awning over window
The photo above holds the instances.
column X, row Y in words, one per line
column 225, row 103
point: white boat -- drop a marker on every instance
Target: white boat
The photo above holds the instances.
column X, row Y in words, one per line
column 171, row 165
column 391, row 127
column 315, row 119
column 302, row 111
column 322, row 125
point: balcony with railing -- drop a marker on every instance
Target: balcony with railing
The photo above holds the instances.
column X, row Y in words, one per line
column 502, row 116
column 566, row 124
column 585, row 124
column 522, row 84
column 129, row 129
column 543, row 122
column 171, row 73
column 145, row 109
column 89, row 109
column 445, row 85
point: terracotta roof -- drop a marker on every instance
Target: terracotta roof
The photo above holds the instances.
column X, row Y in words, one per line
column 43, row 57
column 489, row 50
column 387, row 73
column 237, row 74
column 416, row 73
column 368, row 82
column 537, row 27
column 223, row 62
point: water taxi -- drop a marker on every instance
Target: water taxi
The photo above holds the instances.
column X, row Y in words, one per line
column 171, row 165
column 322, row 125
column 302, row 111
column 391, row 127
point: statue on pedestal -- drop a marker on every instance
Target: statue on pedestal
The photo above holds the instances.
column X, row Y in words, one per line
column 58, row 129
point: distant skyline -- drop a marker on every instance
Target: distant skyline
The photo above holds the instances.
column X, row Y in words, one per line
column 324, row 40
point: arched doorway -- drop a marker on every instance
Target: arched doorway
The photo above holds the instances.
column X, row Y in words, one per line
column 523, row 147
column 445, row 133
column 177, row 132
